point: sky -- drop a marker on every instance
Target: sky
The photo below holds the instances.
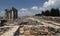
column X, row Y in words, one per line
column 28, row 7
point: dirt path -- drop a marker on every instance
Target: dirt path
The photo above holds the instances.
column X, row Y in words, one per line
column 11, row 32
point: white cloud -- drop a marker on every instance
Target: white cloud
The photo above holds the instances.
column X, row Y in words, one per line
column 48, row 5
column 35, row 8
column 52, row 4
column 2, row 13
column 23, row 9
column 24, row 12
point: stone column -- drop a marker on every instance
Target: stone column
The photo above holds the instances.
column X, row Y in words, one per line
column 10, row 15
column 6, row 14
column 15, row 14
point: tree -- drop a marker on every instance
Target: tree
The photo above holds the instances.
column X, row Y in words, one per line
column 54, row 12
column 38, row 14
column 57, row 12
column 47, row 13
column 43, row 13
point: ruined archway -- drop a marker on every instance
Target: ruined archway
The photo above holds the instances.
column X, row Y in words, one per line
column 11, row 14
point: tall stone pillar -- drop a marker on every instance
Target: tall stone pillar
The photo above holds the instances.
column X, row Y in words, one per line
column 10, row 15
column 15, row 14
column 6, row 13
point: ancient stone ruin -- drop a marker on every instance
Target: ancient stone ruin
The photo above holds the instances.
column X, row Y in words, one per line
column 11, row 14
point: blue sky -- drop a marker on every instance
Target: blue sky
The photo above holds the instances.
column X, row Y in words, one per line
column 28, row 7
column 20, row 3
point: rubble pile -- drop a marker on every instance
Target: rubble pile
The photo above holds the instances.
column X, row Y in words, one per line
column 37, row 30
column 26, row 21
column 56, row 19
